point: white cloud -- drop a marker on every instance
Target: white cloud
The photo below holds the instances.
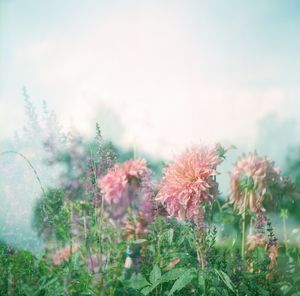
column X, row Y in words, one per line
column 173, row 72
column 168, row 81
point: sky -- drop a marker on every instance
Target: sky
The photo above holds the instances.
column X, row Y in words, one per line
column 158, row 75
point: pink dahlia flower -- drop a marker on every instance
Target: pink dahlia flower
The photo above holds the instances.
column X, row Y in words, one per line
column 189, row 182
column 251, row 179
column 117, row 180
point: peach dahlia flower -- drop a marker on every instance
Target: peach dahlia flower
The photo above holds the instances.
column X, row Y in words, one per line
column 189, row 182
column 251, row 179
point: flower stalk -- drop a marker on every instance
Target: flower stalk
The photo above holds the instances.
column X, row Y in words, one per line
column 244, row 227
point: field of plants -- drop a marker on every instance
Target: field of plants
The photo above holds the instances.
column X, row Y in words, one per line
column 118, row 224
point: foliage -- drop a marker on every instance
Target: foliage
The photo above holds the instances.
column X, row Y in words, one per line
column 88, row 252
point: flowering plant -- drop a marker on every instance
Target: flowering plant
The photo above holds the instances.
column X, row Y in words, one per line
column 189, row 182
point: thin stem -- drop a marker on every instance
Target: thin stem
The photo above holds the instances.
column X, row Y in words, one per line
column 285, row 235
column 284, row 216
column 30, row 165
column 219, row 206
column 85, row 227
column 70, row 231
column 251, row 226
column 284, row 229
column 9, row 280
column 202, row 260
column 200, row 252
column 244, row 226
column 99, row 219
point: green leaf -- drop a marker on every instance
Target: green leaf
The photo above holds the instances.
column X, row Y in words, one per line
column 138, row 281
column 148, row 290
column 286, row 289
column 170, row 235
column 226, row 279
column 181, row 240
column 139, row 241
column 155, row 274
column 201, row 280
column 173, row 274
column 184, row 280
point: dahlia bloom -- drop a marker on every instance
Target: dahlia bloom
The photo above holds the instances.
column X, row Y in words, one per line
column 251, row 179
column 189, row 183
column 117, row 180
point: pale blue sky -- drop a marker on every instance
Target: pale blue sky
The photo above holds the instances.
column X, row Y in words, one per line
column 173, row 72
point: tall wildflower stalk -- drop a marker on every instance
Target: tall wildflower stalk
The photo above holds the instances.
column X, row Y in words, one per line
column 122, row 187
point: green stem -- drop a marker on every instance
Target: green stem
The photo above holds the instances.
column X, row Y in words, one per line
column 85, row 230
column 244, row 226
column 285, row 236
column 30, row 165
column 251, row 225
column 202, row 261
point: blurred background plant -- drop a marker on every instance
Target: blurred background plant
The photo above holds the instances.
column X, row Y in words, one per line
column 83, row 251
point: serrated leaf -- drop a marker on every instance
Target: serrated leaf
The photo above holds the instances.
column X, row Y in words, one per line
column 138, row 282
column 173, row 274
column 181, row 240
column 184, row 280
column 147, row 290
column 155, row 274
